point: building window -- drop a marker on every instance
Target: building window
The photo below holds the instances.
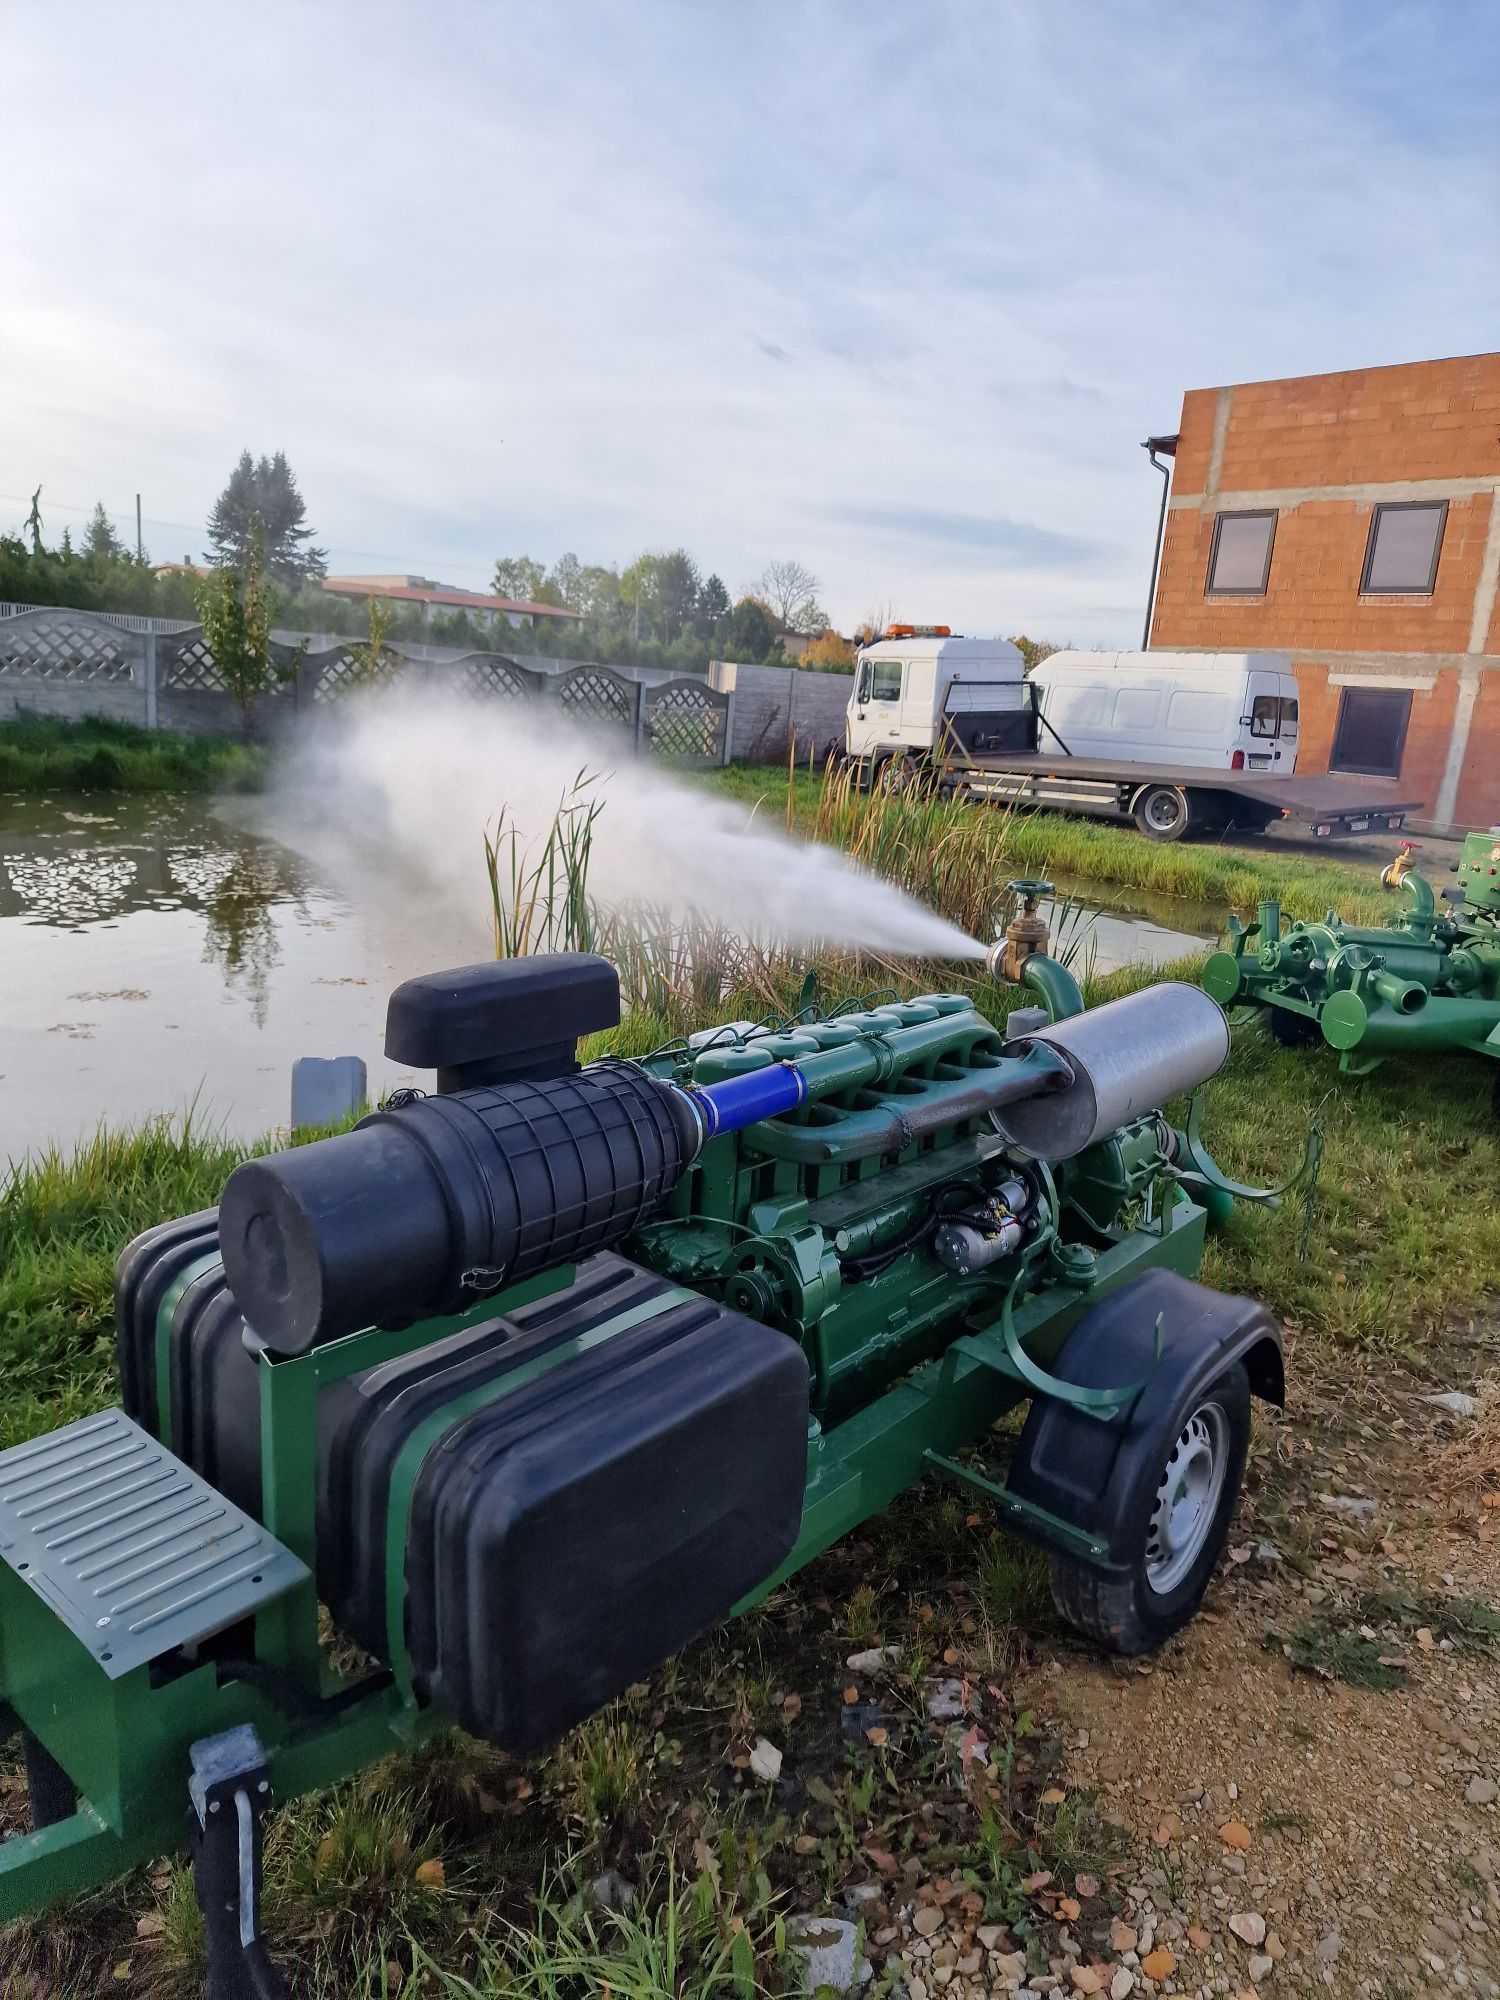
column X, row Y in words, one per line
column 1401, row 557
column 1240, row 560
column 1371, row 731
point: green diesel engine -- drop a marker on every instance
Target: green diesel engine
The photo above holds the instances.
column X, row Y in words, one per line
column 528, row 1381
column 1429, row 980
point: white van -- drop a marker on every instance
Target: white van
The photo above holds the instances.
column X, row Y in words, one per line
column 1216, row 711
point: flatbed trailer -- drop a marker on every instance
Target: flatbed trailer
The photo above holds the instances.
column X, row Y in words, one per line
column 1166, row 801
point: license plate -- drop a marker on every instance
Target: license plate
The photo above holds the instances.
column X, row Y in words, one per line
column 1359, row 826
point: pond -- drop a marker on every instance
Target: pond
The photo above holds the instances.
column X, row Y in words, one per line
column 156, row 954
column 161, row 953
column 1132, row 928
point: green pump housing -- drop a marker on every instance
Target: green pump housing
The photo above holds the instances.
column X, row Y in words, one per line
column 1429, row 980
column 526, row 1383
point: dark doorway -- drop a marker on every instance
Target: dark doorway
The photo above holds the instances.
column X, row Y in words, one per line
column 1371, row 731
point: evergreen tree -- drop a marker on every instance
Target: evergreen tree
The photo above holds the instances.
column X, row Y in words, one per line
column 264, row 489
column 713, row 604
column 100, row 542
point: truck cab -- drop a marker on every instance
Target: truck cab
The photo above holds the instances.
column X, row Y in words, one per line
column 919, row 687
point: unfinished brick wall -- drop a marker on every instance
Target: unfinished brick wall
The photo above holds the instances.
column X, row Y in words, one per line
column 1323, row 451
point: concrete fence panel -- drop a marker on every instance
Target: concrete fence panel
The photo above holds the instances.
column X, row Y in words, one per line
column 777, row 707
column 162, row 674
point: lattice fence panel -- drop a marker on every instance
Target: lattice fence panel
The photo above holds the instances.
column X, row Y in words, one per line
column 341, row 673
column 589, row 694
column 686, row 723
column 189, row 668
column 64, row 646
column 495, row 679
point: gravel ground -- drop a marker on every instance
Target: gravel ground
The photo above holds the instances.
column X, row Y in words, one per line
column 1286, row 1831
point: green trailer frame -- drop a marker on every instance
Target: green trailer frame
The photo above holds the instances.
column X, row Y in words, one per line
column 116, row 1739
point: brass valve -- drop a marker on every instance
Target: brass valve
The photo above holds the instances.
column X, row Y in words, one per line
column 1025, row 934
column 1395, row 872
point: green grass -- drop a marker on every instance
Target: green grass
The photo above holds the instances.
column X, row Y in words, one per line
column 1407, row 1149
column 677, row 1943
column 42, row 754
column 64, row 1218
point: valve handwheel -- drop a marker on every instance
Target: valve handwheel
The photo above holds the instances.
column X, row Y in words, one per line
column 1030, row 890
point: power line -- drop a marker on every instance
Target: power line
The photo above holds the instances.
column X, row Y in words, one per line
column 404, row 563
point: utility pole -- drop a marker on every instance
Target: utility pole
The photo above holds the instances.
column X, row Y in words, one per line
column 140, row 546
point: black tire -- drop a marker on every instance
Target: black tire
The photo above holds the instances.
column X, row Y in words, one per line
column 1161, row 812
column 899, row 773
column 1293, row 1031
column 1131, row 1614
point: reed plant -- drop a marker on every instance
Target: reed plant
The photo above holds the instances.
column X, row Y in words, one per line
column 964, row 848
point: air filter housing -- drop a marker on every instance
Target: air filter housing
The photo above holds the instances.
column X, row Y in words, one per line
column 517, row 1017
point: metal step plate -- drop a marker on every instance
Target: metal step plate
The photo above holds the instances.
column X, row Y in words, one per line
column 132, row 1550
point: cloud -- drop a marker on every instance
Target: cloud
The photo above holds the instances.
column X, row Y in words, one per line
column 490, row 293
column 1024, row 542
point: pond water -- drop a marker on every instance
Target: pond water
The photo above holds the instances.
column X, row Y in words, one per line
column 157, row 953
column 1132, row 928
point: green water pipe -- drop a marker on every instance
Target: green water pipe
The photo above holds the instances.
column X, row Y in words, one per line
column 1407, row 996
column 1422, row 904
column 1054, row 984
column 1349, row 1021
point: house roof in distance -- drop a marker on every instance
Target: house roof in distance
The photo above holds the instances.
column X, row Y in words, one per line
column 420, row 590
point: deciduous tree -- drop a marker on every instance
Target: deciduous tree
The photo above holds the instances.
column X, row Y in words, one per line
column 235, row 607
column 566, row 578
column 751, row 632
column 791, row 591
column 1033, row 651
column 828, row 653
column 520, row 577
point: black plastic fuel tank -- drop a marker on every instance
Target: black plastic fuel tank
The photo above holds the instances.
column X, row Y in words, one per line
column 576, row 1529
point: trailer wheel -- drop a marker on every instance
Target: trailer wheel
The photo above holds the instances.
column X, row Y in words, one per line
column 1180, row 1508
column 898, row 773
column 1161, row 812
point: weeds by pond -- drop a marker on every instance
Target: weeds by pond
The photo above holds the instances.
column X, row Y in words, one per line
column 45, row 754
column 901, row 830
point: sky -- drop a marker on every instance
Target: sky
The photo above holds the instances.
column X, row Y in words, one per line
column 893, row 287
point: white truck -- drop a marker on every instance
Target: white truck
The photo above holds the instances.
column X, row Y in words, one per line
column 1172, row 741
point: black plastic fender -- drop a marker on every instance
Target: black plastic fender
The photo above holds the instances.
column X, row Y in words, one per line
column 1081, row 1469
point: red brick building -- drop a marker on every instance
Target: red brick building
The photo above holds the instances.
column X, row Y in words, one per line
column 1353, row 520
